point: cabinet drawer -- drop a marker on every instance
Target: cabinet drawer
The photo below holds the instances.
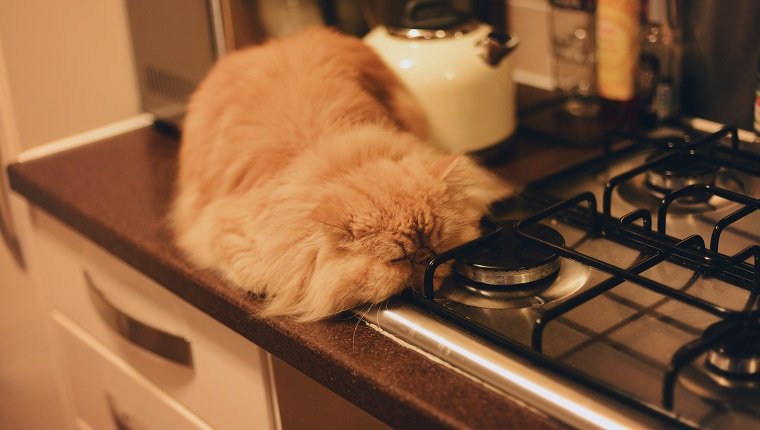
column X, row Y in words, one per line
column 216, row 373
column 105, row 393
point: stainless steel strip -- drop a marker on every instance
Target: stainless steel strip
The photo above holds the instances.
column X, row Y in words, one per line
column 575, row 405
column 169, row 346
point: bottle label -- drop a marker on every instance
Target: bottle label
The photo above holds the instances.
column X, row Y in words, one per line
column 617, row 48
column 663, row 101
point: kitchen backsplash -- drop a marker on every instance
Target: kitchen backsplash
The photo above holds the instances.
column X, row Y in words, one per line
column 721, row 49
column 528, row 20
column 721, row 45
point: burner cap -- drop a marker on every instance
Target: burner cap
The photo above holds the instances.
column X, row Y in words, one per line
column 739, row 353
column 679, row 171
column 510, row 261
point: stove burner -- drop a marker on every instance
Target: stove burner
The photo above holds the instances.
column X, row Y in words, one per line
column 739, row 354
column 511, row 262
column 680, row 171
column 647, row 190
column 730, row 374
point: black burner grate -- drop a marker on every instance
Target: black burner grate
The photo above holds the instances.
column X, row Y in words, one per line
column 741, row 269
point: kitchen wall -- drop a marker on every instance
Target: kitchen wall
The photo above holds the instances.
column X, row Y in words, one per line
column 28, row 397
column 529, row 20
column 69, row 66
column 65, row 67
column 721, row 53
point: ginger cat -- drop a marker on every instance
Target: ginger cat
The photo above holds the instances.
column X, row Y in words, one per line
column 305, row 176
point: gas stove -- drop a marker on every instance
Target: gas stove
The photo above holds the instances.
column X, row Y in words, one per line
column 621, row 292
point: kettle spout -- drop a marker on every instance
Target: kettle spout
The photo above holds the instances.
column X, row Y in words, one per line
column 496, row 46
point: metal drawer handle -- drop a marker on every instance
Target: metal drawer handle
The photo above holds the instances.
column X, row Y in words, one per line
column 167, row 345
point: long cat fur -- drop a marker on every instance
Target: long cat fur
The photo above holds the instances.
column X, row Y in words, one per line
column 305, row 176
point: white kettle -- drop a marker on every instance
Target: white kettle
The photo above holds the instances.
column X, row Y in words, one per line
column 458, row 69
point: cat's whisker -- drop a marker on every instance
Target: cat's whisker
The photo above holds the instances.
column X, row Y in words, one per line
column 361, row 317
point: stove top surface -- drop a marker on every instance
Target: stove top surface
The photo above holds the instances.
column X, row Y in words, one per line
column 631, row 278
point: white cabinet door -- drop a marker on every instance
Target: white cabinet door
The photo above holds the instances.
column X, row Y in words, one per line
column 106, row 393
column 217, row 374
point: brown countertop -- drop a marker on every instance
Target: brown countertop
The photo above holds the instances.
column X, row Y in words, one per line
column 116, row 192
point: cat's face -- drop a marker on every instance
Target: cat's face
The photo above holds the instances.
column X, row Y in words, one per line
column 385, row 232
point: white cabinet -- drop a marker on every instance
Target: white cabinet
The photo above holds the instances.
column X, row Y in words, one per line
column 133, row 324
column 106, row 392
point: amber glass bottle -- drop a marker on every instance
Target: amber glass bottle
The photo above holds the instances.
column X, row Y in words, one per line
column 617, row 44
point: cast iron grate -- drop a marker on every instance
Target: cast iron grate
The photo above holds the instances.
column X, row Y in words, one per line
column 740, row 269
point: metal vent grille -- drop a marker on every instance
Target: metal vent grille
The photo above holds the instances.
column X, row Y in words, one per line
column 168, row 85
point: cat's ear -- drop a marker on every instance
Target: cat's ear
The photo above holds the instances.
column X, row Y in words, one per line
column 466, row 178
column 445, row 166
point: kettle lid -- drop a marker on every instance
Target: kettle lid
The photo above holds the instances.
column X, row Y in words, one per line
column 431, row 19
column 430, row 15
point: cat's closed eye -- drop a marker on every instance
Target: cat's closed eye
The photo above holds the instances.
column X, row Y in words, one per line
column 399, row 260
column 398, row 254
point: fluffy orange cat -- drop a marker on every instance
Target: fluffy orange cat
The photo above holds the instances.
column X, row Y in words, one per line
column 305, row 176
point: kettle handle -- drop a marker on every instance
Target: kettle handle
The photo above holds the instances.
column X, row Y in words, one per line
column 496, row 46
